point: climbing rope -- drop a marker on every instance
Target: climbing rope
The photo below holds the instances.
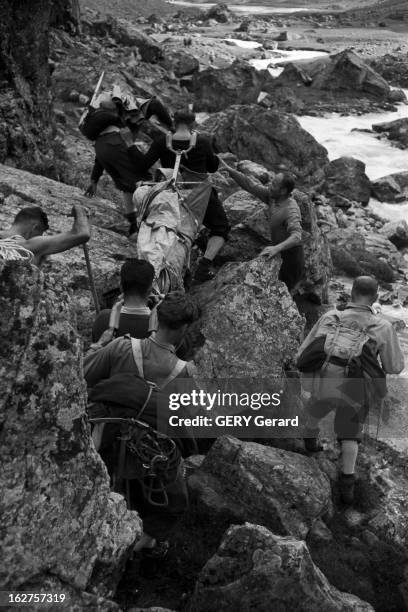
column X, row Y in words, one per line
column 11, row 250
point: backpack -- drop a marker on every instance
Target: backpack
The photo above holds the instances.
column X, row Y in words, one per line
column 95, row 120
column 348, row 345
column 124, row 412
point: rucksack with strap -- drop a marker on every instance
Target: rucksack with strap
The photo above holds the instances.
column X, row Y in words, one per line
column 144, row 454
column 95, row 120
column 345, row 344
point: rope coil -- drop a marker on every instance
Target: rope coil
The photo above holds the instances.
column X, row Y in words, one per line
column 11, row 250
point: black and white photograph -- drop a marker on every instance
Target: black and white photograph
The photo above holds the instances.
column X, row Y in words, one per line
column 204, row 306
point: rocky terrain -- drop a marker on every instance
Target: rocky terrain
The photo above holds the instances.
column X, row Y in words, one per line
column 266, row 528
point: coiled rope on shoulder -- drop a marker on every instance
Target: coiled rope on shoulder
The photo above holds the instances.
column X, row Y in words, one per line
column 11, row 250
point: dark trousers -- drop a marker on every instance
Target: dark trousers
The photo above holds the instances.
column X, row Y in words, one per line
column 159, row 521
column 215, row 218
column 293, row 266
column 115, row 158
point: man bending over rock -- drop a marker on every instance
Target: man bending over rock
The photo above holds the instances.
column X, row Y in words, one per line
column 285, row 222
column 117, row 154
column 341, row 373
column 26, row 234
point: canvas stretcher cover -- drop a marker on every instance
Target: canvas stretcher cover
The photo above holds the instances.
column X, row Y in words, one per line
column 169, row 220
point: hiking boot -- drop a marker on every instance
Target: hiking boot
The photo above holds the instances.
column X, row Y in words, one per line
column 312, row 442
column 153, row 558
column 346, row 485
column 204, row 271
column 313, row 445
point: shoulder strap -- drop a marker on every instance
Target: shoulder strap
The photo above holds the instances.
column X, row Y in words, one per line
column 178, row 368
column 137, row 355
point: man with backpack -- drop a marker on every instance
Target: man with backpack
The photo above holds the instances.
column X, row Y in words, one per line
column 344, row 361
column 108, row 367
column 199, row 160
column 113, row 126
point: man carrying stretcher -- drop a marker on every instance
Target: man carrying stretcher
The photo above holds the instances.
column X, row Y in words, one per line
column 198, row 160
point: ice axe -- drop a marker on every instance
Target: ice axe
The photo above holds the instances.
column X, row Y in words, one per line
column 92, row 285
column 93, row 99
column 91, row 278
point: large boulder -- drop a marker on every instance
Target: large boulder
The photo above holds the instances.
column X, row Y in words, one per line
column 125, row 33
column 59, row 517
column 391, row 188
column 180, row 62
column 397, row 233
column 284, row 491
column 250, row 323
column 270, row 138
column 215, row 90
column 254, row 569
column 355, row 253
column 348, row 72
column 346, row 177
column 393, row 67
column 219, row 12
column 395, row 130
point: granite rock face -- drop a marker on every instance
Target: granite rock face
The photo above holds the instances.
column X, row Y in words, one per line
column 284, row 491
column 255, row 569
column 251, row 324
column 58, row 515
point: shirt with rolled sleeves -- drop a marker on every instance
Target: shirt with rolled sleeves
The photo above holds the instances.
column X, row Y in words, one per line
column 285, row 218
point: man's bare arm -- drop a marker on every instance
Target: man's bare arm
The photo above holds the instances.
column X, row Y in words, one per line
column 41, row 246
column 259, row 191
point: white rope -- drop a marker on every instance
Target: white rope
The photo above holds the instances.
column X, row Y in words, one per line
column 11, row 250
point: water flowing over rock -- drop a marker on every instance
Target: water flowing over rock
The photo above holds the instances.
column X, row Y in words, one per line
column 395, row 130
column 255, row 569
column 251, row 325
column 274, row 139
column 284, row 491
column 391, row 188
column 215, row 90
column 58, row 515
column 346, row 177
